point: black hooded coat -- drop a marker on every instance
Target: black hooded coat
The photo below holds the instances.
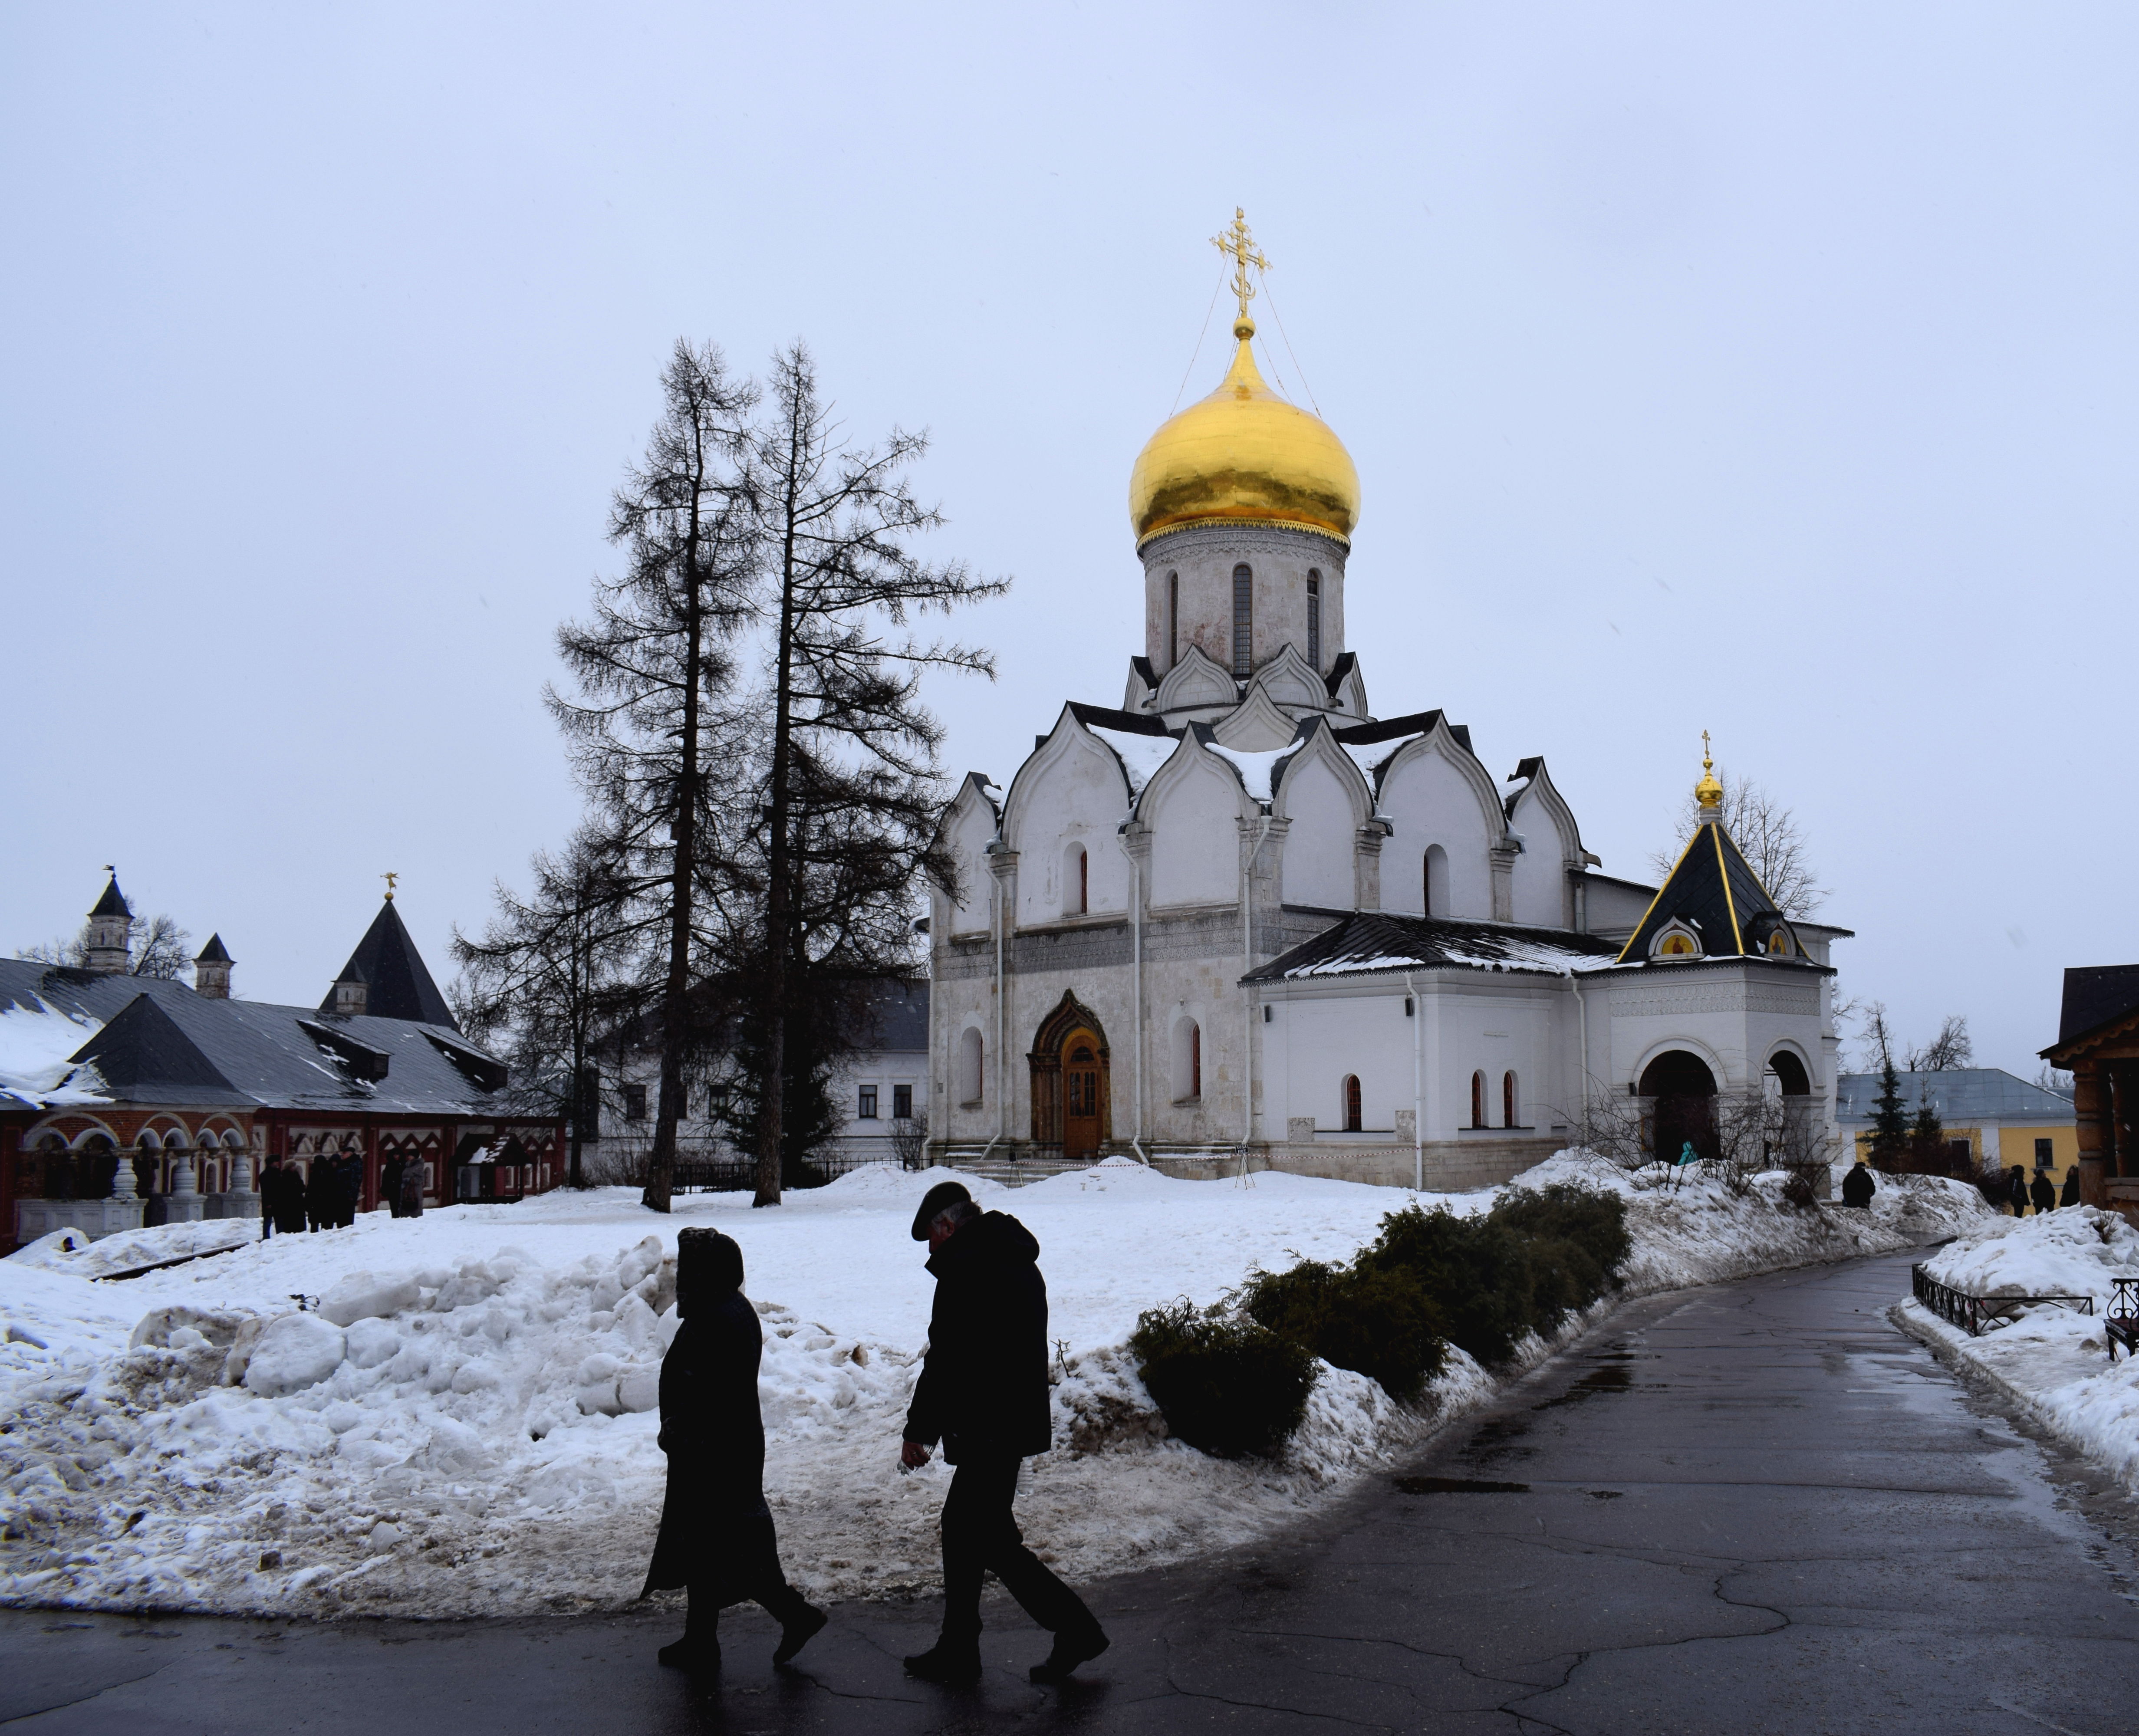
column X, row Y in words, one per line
column 1857, row 1186
column 2042, row 1192
column 2070, row 1194
column 2016, row 1192
column 716, row 1533
column 983, row 1389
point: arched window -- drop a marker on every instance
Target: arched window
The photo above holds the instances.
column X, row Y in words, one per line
column 1076, row 881
column 1244, row 620
column 1478, row 1100
column 1508, row 1100
column 1188, row 1048
column 1173, row 619
column 1351, row 1103
column 969, row 1067
column 1434, row 875
column 1314, row 619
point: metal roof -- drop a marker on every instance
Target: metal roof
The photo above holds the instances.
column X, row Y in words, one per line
column 1963, row 1096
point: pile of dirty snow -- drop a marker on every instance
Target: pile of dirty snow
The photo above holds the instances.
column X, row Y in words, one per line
column 2052, row 1361
column 1698, row 1228
column 455, row 1414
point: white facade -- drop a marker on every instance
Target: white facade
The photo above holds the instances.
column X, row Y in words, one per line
column 1239, row 919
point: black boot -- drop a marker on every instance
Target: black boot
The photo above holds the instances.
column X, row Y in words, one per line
column 1073, row 1646
column 954, row 1662
column 797, row 1628
column 701, row 1657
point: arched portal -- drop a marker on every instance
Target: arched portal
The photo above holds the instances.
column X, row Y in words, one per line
column 1072, row 1089
column 1680, row 1092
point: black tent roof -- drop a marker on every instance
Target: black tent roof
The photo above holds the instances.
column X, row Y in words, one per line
column 142, row 1056
column 1714, row 891
column 213, row 952
column 114, row 902
column 400, row 986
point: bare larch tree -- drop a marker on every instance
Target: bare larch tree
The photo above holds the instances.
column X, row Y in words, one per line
column 1767, row 835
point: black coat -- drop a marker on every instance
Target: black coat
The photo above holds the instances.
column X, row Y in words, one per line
column 1857, row 1186
column 2043, row 1191
column 715, row 1530
column 2016, row 1193
column 2070, row 1196
column 983, row 1389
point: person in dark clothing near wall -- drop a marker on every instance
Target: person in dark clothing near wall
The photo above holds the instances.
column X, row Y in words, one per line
column 717, row 1539
column 389, row 1182
column 319, row 1194
column 411, row 1186
column 270, row 1196
column 983, row 1392
column 288, row 1204
column 2042, row 1192
column 2016, row 1192
column 1857, row 1186
column 2068, row 1195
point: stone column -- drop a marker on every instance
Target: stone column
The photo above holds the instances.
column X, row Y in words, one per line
column 2089, row 1087
column 185, row 1204
column 1504, row 880
column 1367, row 866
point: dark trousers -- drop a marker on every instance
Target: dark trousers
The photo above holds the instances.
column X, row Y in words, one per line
column 979, row 1537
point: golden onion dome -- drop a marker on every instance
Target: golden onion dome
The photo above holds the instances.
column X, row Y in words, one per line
column 1244, row 456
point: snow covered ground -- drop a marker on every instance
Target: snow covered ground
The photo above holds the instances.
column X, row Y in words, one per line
column 2052, row 1361
column 461, row 1420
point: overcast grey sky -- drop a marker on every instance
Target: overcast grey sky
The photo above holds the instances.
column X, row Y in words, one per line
column 1769, row 370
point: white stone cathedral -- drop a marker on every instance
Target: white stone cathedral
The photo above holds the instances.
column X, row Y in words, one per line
column 1242, row 918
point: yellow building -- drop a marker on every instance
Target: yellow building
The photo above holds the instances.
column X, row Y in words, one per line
column 1998, row 1116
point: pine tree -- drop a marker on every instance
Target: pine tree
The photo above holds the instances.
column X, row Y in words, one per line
column 1890, row 1121
column 809, row 1122
column 654, row 730
column 551, row 973
column 850, row 782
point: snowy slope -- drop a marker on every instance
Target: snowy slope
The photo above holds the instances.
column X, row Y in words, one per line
column 2052, row 1361
column 464, row 1424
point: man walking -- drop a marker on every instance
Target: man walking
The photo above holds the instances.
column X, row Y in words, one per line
column 983, row 1393
column 2042, row 1193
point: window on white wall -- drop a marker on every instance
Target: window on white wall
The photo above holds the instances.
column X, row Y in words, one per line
column 1508, row 1101
column 970, row 1073
column 1478, row 1101
column 867, row 1109
column 1188, row 1049
column 1351, row 1103
column 902, row 1102
column 1435, row 878
column 1076, row 881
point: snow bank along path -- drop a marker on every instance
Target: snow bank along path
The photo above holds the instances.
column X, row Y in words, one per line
column 2053, row 1361
column 464, row 1424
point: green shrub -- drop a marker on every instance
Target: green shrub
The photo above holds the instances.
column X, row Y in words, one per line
column 1476, row 1271
column 1225, row 1385
column 1578, row 1240
column 1539, row 1254
column 1378, row 1321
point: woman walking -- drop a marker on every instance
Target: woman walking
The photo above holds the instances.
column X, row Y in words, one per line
column 717, row 1539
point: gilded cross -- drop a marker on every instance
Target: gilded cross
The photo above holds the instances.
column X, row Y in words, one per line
column 1237, row 245
column 1707, row 763
column 389, row 879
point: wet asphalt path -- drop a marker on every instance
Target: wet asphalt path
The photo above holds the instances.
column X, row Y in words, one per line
column 1750, row 1508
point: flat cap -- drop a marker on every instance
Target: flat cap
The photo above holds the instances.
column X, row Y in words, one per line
column 934, row 1203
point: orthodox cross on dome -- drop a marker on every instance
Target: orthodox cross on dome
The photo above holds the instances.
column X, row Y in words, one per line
column 1708, row 792
column 389, row 879
column 1237, row 245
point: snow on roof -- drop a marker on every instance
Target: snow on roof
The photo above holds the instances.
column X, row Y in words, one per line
column 36, row 1040
column 1370, row 941
column 1255, row 768
column 1373, row 756
column 1963, row 1095
column 1141, row 756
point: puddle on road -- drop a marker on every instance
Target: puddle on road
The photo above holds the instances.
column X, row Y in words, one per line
column 1459, row 1486
column 1616, row 1377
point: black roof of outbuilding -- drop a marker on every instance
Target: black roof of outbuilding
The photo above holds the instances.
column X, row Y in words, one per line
column 113, row 903
column 213, row 952
column 1367, row 942
column 400, row 986
column 2096, row 995
column 264, row 1055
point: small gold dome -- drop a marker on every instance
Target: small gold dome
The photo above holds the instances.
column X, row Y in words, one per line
column 1244, row 456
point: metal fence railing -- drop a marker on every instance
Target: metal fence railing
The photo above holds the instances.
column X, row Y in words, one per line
column 1977, row 1315
column 2121, row 1324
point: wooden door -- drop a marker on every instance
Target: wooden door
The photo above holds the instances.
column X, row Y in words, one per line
column 1081, row 1096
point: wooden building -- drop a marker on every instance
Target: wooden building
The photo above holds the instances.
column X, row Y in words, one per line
column 2098, row 1044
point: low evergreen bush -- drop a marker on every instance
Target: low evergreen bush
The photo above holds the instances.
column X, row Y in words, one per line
column 1378, row 1321
column 1476, row 1270
column 1578, row 1241
column 1226, row 1386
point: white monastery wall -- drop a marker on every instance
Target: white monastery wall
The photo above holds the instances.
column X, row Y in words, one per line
column 1322, row 844
column 1431, row 802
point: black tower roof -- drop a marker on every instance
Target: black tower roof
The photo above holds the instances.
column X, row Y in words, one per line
column 1714, row 891
column 400, row 987
column 114, row 902
column 213, row 952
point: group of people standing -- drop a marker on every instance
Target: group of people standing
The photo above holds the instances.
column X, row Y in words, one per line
column 2018, row 1193
column 982, row 1395
column 292, row 1199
